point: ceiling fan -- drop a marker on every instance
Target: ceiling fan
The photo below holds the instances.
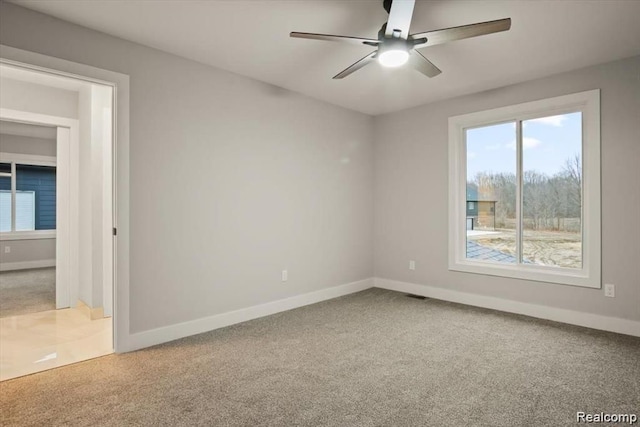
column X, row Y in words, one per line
column 395, row 46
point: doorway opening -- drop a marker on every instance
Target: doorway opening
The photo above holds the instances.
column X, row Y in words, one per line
column 56, row 220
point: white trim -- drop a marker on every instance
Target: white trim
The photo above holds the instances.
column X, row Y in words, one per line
column 519, row 193
column 36, row 118
column 13, row 198
column 67, row 200
column 594, row 321
column 25, row 265
column 120, row 83
column 173, row 332
column 27, row 159
column 27, row 235
column 108, row 215
column 589, row 104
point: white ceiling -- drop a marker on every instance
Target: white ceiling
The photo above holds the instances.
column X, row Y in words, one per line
column 252, row 38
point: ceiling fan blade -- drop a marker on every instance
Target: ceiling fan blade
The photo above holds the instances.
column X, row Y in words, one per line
column 459, row 33
column 356, row 66
column 400, row 18
column 332, row 38
column 422, row 64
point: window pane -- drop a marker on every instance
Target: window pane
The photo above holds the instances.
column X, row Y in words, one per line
column 552, row 190
column 491, row 193
column 25, row 210
column 5, row 204
column 35, row 198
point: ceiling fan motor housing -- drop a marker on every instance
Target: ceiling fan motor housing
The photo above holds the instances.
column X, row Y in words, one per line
column 394, row 44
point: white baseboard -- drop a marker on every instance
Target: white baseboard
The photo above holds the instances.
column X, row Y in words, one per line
column 595, row 321
column 92, row 313
column 173, row 332
column 25, row 265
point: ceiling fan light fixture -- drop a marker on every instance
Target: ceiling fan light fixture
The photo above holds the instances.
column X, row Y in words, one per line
column 393, row 58
column 396, row 45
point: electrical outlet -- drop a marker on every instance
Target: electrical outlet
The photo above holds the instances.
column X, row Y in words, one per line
column 412, row 264
column 7, row 249
column 285, row 275
column 609, row 290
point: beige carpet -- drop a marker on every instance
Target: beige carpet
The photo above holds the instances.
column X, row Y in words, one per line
column 376, row 358
column 27, row 291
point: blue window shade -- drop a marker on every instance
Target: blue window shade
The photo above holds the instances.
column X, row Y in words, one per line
column 41, row 180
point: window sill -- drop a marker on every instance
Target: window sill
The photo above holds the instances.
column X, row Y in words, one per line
column 554, row 275
column 28, row 235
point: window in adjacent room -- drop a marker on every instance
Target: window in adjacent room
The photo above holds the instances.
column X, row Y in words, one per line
column 27, row 197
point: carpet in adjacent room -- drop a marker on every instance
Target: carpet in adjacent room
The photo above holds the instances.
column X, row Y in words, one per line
column 27, row 291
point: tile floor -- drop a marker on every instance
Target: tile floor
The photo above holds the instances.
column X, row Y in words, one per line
column 36, row 342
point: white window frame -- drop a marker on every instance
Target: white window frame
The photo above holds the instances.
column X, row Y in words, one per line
column 27, row 160
column 588, row 103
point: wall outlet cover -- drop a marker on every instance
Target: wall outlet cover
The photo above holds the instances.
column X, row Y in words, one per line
column 609, row 290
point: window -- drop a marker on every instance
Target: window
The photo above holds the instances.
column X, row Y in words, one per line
column 5, row 197
column 27, row 197
column 25, row 202
column 532, row 173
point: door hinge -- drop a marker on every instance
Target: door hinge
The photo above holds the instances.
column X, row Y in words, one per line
column 115, row 231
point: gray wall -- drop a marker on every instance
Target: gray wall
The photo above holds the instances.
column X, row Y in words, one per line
column 27, row 145
column 411, row 192
column 232, row 180
column 27, row 96
column 28, row 250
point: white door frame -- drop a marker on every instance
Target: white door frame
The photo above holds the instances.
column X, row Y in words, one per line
column 120, row 168
column 67, row 149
